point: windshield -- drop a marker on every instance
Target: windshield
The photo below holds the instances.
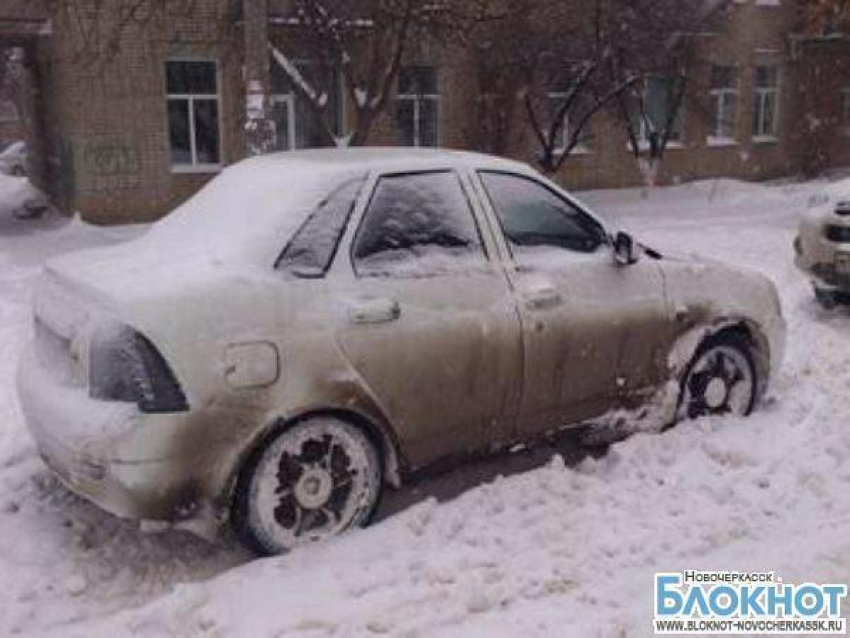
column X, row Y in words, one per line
column 250, row 209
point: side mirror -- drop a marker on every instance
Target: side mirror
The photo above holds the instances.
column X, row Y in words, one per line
column 624, row 249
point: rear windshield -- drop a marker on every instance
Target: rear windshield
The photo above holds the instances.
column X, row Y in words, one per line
column 252, row 208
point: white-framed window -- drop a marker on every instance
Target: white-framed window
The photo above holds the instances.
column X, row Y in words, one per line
column 766, row 107
column 418, row 106
column 724, row 104
column 296, row 124
column 658, row 99
column 845, row 109
column 194, row 128
column 555, row 100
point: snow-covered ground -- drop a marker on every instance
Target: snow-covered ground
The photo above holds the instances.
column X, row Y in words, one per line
column 562, row 550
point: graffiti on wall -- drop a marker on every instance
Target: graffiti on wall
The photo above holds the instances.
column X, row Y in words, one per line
column 109, row 157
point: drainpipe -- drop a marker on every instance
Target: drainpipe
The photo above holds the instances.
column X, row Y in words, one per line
column 260, row 136
column 33, row 117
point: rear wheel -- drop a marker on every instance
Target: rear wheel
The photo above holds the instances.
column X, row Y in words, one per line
column 310, row 482
column 720, row 380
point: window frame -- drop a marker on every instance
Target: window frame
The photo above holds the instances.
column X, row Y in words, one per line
column 417, row 99
column 760, row 98
column 556, row 192
column 676, row 139
column 368, row 194
column 290, row 99
column 718, row 96
column 194, row 166
column 582, row 147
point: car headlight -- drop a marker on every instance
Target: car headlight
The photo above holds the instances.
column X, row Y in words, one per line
column 125, row 366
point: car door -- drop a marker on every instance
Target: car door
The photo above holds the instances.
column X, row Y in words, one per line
column 429, row 322
column 595, row 334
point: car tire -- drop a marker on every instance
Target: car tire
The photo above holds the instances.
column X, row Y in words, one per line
column 308, row 482
column 721, row 379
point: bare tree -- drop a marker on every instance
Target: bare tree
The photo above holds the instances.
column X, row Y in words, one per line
column 552, row 58
column 655, row 42
column 363, row 43
column 568, row 85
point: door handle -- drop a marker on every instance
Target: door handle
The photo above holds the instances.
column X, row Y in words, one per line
column 373, row 311
column 542, row 298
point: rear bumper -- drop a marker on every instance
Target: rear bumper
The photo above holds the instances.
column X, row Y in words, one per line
column 91, row 446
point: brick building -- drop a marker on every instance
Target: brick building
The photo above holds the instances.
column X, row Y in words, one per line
column 128, row 121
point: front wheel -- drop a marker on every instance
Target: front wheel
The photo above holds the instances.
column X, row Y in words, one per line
column 720, row 380
column 312, row 481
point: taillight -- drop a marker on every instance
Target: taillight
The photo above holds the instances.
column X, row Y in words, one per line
column 125, row 366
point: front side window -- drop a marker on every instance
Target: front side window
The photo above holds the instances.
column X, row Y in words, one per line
column 193, row 113
column 310, row 252
column 724, row 102
column 418, row 106
column 766, row 102
column 533, row 217
column 417, row 224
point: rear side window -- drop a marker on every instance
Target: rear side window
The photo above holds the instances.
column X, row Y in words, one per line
column 417, row 224
column 532, row 216
column 310, row 252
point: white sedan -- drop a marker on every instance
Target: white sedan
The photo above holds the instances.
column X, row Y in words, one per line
column 313, row 326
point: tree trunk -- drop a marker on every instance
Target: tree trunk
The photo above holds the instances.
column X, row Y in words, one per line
column 260, row 134
column 649, row 169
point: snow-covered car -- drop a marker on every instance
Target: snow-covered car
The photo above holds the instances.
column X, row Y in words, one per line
column 822, row 251
column 313, row 326
column 13, row 159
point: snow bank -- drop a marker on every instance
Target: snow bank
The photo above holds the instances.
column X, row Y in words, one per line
column 566, row 551
column 19, row 198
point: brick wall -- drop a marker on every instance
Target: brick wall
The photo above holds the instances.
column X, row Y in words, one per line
column 750, row 34
column 107, row 129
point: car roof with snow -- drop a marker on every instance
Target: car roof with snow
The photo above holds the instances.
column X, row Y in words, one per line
column 251, row 204
column 386, row 158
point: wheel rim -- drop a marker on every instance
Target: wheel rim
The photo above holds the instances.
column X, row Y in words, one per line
column 311, row 483
column 721, row 381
